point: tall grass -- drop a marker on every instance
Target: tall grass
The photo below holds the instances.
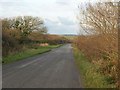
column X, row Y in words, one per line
column 91, row 77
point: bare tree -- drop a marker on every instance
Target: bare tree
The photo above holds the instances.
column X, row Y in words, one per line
column 100, row 21
column 100, row 18
column 28, row 24
column 20, row 27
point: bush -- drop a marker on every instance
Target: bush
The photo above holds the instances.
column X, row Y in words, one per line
column 9, row 44
column 100, row 45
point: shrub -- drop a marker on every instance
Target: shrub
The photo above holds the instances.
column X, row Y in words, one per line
column 100, row 44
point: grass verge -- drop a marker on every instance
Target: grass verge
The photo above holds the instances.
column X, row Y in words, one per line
column 27, row 53
column 89, row 73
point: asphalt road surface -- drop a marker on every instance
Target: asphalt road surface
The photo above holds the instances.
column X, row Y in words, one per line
column 55, row 69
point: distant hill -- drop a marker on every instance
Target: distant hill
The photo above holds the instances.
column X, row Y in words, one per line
column 70, row 36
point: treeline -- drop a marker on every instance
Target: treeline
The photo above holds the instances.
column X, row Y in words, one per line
column 22, row 32
column 48, row 38
column 100, row 44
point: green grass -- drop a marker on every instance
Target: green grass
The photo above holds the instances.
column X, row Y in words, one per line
column 28, row 53
column 91, row 78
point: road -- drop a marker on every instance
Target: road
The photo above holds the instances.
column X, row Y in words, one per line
column 54, row 69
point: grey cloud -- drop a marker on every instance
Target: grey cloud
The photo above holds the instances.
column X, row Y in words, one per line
column 50, row 23
column 66, row 21
column 66, row 27
column 62, row 3
column 62, row 30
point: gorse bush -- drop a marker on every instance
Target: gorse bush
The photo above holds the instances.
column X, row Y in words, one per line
column 100, row 45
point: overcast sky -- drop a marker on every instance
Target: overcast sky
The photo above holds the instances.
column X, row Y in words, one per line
column 59, row 15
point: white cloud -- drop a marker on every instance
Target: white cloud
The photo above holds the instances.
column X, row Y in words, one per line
column 59, row 15
column 66, row 21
